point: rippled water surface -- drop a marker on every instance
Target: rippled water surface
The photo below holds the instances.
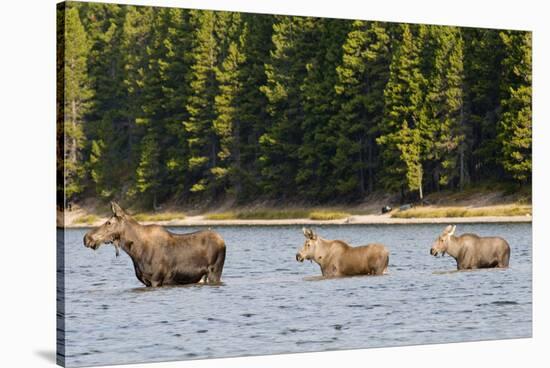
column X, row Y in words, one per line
column 270, row 304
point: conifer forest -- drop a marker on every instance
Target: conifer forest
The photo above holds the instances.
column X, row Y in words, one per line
column 166, row 104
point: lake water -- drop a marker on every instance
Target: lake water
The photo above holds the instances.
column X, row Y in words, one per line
column 270, row 304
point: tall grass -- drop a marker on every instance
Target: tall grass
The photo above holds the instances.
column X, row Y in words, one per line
column 221, row 216
column 86, row 219
column 272, row 214
column 328, row 215
column 431, row 212
column 165, row 216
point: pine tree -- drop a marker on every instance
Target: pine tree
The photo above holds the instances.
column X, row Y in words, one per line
column 362, row 77
column 106, row 129
column 200, row 104
column 294, row 43
column 401, row 142
column 320, row 103
column 483, row 53
column 76, row 99
column 135, row 39
column 148, row 179
column 227, row 124
column 444, row 130
column 514, row 129
column 150, row 114
column 253, row 104
column 175, row 78
column 183, row 105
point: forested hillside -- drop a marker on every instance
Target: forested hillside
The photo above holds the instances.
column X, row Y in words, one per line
column 162, row 104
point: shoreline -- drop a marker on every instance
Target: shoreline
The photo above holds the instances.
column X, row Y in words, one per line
column 200, row 221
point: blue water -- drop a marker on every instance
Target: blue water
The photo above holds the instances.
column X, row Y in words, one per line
column 270, row 304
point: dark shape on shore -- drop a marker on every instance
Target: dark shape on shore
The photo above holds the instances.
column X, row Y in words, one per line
column 159, row 256
column 386, row 209
column 472, row 251
column 337, row 258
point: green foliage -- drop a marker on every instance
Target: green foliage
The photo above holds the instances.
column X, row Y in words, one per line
column 227, row 104
column 483, row 53
column 147, row 173
column 362, row 77
column 285, row 71
column 514, row 129
column 315, row 174
column 76, row 96
column 160, row 104
column 401, row 141
column 444, row 104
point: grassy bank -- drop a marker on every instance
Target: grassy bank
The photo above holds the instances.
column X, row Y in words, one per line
column 470, row 203
column 437, row 212
column 89, row 219
column 86, row 219
column 277, row 214
column 161, row 216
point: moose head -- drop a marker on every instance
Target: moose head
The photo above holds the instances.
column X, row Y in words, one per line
column 110, row 232
column 441, row 244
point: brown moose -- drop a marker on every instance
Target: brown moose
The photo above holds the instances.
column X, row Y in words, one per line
column 337, row 258
column 472, row 251
column 159, row 256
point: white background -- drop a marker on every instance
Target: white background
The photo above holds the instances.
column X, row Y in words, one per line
column 27, row 180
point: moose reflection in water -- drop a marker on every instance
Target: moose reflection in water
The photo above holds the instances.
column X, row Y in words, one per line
column 336, row 258
column 472, row 251
column 159, row 256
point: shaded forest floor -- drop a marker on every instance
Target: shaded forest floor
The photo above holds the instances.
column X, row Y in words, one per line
column 471, row 205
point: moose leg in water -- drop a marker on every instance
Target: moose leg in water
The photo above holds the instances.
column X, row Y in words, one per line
column 159, row 256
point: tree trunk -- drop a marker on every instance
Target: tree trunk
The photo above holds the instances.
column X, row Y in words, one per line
column 420, row 188
column 461, row 183
column 237, row 157
column 73, row 122
column 361, row 169
column 155, row 207
column 370, row 165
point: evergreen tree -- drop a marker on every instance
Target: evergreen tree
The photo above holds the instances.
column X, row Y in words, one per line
column 162, row 104
column 362, row 77
column 401, row 141
column 148, row 179
column 76, row 99
column 135, row 39
column 150, row 114
column 483, row 53
column 294, row 43
column 444, row 130
column 253, row 104
column 227, row 172
column 175, row 78
column 320, row 104
column 514, row 129
column 107, row 127
column 200, row 104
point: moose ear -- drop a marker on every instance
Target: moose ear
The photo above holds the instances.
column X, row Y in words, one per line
column 452, row 230
column 308, row 233
column 448, row 229
column 117, row 210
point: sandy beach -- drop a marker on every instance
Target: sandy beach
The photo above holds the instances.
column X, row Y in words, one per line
column 352, row 220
